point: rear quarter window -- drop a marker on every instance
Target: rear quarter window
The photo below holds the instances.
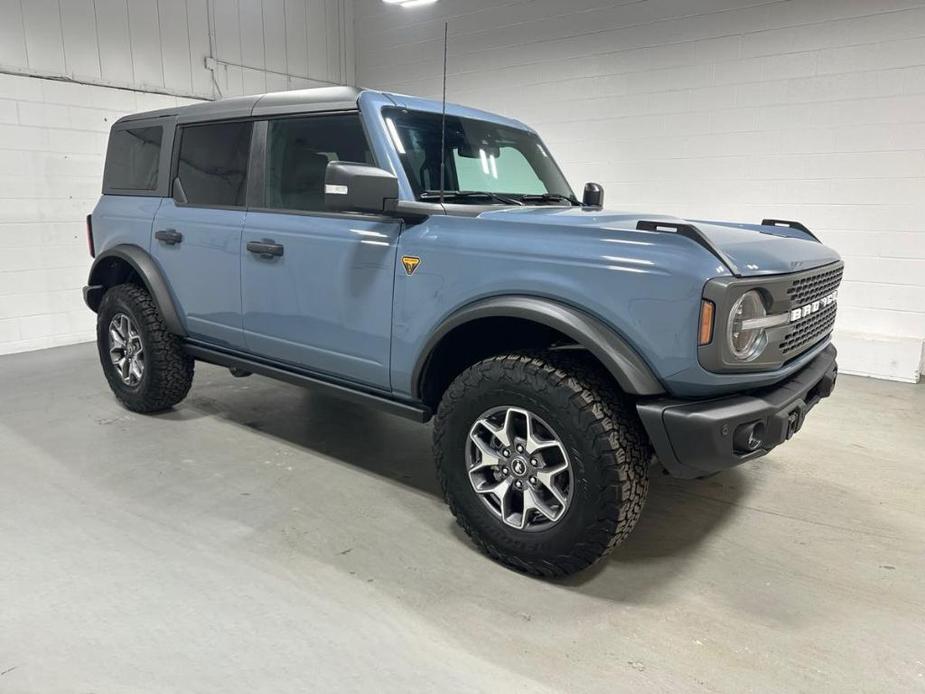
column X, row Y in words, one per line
column 132, row 159
column 212, row 164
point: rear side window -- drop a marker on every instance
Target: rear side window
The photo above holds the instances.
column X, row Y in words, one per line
column 212, row 166
column 132, row 158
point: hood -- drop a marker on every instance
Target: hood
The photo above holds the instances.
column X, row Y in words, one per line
column 749, row 249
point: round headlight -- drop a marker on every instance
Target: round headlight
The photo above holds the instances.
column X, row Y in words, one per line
column 746, row 343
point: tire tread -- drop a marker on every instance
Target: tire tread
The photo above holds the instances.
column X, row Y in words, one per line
column 170, row 369
column 602, row 414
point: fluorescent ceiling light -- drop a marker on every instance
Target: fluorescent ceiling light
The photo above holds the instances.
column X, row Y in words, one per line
column 409, row 3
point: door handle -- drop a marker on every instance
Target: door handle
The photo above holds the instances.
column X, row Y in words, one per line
column 265, row 248
column 169, row 236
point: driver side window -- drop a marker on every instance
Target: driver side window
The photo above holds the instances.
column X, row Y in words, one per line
column 298, row 152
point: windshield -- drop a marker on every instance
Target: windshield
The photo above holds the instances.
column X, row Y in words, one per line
column 507, row 163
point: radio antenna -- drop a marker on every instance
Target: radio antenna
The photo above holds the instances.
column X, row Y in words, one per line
column 446, row 29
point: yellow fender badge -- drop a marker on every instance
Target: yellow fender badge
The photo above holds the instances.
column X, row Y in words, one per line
column 411, row 263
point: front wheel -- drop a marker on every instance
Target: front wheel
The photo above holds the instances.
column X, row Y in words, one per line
column 542, row 462
column 144, row 363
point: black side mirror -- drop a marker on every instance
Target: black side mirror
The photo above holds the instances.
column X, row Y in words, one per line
column 358, row 188
column 593, row 195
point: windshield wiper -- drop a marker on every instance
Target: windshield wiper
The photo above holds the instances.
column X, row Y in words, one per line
column 463, row 194
column 549, row 197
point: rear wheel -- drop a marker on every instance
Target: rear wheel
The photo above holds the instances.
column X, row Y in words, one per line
column 543, row 463
column 144, row 363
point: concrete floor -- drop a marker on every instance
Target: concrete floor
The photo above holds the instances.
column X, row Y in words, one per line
column 260, row 538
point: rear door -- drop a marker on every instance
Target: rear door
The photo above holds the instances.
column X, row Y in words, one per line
column 316, row 286
column 198, row 242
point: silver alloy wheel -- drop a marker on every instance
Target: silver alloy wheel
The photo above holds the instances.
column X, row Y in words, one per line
column 126, row 350
column 519, row 468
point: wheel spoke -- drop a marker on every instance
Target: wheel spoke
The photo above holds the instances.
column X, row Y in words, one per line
column 533, row 503
column 555, row 469
column 545, row 477
column 500, row 492
column 531, row 438
column 489, row 457
column 135, row 370
column 509, row 424
column 115, row 338
column 503, row 433
column 535, row 444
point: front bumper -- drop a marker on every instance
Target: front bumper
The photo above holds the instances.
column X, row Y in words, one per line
column 697, row 438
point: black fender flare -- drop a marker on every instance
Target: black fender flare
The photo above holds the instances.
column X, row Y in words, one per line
column 147, row 269
column 619, row 358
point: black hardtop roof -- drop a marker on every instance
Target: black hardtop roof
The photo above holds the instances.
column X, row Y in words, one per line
column 273, row 103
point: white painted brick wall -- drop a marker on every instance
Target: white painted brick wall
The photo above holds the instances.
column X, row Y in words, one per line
column 53, row 133
column 52, row 144
column 161, row 45
column 739, row 109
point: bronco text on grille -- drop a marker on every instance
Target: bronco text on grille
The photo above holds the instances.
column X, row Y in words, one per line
column 813, row 307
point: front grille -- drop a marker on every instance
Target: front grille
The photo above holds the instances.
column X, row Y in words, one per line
column 808, row 289
column 808, row 331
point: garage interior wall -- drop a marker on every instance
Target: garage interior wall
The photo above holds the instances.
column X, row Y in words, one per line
column 69, row 68
column 724, row 109
column 732, row 109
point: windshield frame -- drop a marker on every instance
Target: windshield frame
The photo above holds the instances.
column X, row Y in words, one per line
column 560, row 187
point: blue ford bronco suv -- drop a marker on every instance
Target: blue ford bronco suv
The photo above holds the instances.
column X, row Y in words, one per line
column 438, row 265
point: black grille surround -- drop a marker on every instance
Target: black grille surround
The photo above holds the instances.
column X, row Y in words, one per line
column 781, row 294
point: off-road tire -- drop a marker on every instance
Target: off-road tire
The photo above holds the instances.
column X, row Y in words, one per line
column 168, row 372
column 605, row 441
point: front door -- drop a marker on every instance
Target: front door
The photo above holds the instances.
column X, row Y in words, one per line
column 317, row 287
column 198, row 243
